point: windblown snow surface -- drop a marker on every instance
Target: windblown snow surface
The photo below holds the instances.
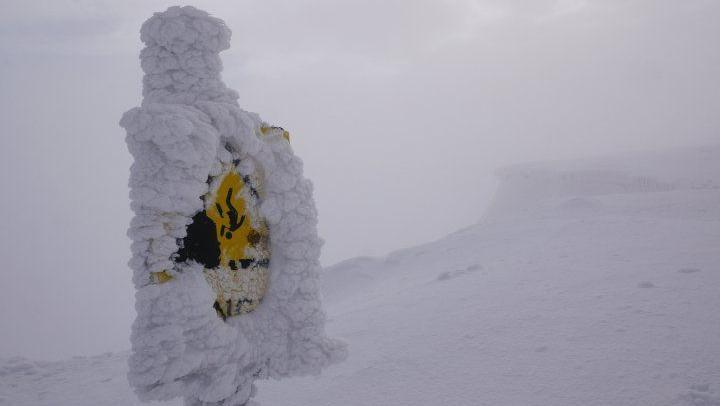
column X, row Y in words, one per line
column 586, row 283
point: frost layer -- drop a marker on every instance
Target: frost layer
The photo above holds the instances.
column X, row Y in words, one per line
column 188, row 126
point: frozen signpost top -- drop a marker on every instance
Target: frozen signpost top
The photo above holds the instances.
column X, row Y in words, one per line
column 181, row 58
column 225, row 252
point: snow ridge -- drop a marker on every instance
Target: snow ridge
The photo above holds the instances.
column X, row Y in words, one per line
column 529, row 188
column 188, row 126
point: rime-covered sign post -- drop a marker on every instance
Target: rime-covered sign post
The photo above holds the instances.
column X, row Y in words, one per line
column 225, row 252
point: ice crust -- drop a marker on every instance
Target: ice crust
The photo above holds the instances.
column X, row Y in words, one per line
column 183, row 132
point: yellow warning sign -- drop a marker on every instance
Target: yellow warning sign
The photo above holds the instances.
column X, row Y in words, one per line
column 240, row 280
column 231, row 240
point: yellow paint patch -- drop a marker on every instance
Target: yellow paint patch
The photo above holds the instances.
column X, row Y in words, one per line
column 160, row 277
column 265, row 130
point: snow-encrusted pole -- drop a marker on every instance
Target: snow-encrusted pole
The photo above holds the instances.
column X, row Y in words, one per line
column 225, row 246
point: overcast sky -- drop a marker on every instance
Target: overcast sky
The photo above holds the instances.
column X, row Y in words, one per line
column 401, row 110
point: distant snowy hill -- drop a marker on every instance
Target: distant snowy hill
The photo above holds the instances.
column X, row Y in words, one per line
column 590, row 283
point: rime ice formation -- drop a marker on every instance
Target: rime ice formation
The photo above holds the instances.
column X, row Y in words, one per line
column 188, row 127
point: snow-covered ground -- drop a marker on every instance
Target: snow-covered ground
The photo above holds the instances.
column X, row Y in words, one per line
column 587, row 283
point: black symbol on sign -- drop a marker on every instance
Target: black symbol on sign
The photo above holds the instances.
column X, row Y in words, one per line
column 232, row 214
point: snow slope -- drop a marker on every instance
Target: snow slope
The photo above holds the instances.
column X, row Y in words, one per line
column 587, row 283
